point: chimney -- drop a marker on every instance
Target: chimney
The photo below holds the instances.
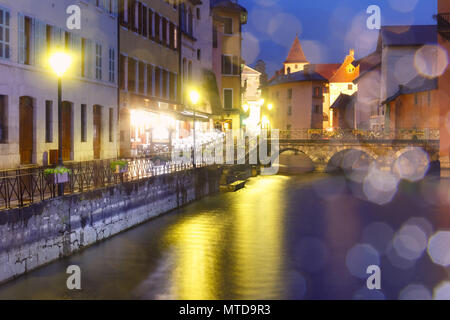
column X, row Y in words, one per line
column 352, row 52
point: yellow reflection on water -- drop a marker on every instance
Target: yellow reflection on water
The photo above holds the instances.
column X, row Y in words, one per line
column 250, row 225
column 196, row 243
column 258, row 239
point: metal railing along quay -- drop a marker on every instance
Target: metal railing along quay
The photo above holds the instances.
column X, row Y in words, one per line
column 24, row 186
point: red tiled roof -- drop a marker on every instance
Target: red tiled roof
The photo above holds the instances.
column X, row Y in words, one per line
column 327, row 70
column 296, row 53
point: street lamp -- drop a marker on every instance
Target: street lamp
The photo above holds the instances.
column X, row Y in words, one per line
column 194, row 96
column 60, row 62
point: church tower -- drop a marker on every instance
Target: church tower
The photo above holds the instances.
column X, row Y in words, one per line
column 296, row 59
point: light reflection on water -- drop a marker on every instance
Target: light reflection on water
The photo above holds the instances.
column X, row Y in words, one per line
column 279, row 238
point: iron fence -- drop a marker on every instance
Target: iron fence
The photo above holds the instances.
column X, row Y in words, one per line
column 21, row 187
column 352, row 134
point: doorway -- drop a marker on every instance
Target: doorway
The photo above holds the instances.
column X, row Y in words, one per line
column 97, row 131
column 26, row 130
column 66, row 130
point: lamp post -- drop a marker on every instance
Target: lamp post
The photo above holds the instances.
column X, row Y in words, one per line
column 194, row 97
column 60, row 62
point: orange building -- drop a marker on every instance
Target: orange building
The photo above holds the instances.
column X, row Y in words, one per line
column 443, row 19
column 414, row 106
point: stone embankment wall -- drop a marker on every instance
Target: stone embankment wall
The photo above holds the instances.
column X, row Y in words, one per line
column 43, row 232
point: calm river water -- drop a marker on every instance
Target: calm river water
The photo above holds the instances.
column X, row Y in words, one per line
column 282, row 237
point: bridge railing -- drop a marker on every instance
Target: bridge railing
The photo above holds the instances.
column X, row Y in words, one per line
column 352, row 134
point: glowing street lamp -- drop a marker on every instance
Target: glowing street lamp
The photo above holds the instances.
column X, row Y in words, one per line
column 194, row 96
column 60, row 62
column 245, row 107
column 270, row 106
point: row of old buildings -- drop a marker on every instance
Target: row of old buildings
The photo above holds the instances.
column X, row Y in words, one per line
column 401, row 89
column 126, row 93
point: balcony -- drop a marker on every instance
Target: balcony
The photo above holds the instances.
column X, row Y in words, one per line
column 443, row 20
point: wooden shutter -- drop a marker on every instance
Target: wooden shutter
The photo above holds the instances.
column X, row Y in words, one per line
column 21, row 45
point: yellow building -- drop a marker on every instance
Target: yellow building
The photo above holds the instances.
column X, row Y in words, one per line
column 303, row 92
column 229, row 17
column 148, row 69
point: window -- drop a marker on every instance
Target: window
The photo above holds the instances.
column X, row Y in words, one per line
column 164, row 83
column 416, row 99
column 191, row 22
column 4, row 34
column 172, row 86
column 199, row 54
column 228, row 24
column 350, row 87
column 288, row 127
column 131, row 75
column 227, row 65
column 289, row 93
column 3, row 119
column 141, row 77
column 228, row 98
column 25, row 25
column 123, row 12
column 172, row 43
column 157, row 82
column 317, row 109
column 189, row 70
column 175, row 37
column 144, row 30
column 215, row 37
column 48, row 121
column 164, row 31
column 149, row 80
column 317, row 92
column 289, row 111
column 122, row 75
column 137, row 20
column 150, row 23
column 325, row 117
column 157, row 27
column 112, row 65
column 83, row 123
column 198, row 13
column 111, row 124
column 429, row 98
column 98, row 61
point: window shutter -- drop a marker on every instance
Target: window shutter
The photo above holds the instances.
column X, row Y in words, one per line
column 40, row 43
column 21, row 27
column 114, row 6
column 76, row 42
column 89, row 58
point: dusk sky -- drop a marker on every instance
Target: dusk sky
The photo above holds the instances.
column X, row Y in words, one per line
column 327, row 28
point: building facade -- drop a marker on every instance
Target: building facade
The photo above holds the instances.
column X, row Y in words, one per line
column 252, row 98
column 229, row 17
column 297, row 100
column 414, row 106
column 28, row 88
column 150, row 108
column 444, row 87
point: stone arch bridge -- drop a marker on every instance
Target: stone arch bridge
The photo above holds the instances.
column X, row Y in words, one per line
column 384, row 152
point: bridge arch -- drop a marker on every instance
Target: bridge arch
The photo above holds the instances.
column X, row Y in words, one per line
column 298, row 150
column 350, row 158
column 295, row 160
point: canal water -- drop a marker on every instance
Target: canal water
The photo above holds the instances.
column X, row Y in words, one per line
column 309, row 236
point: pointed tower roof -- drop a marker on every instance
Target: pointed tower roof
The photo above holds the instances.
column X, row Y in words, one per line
column 296, row 54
